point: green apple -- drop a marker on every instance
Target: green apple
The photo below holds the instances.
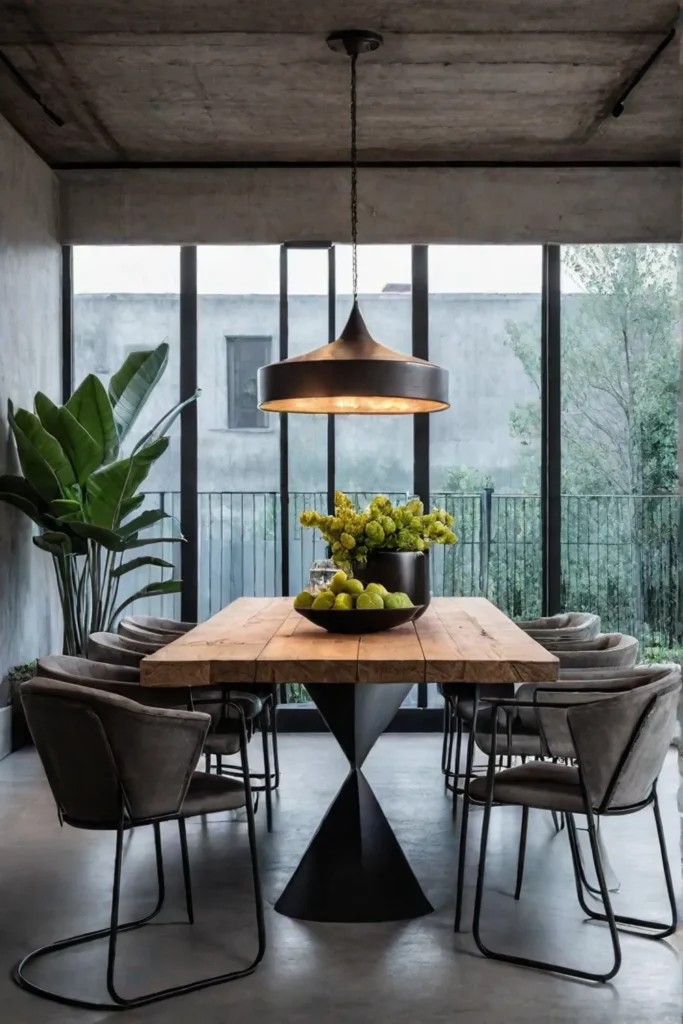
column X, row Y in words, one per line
column 323, row 602
column 393, row 602
column 354, row 587
column 369, row 602
column 337, row 582
column 343, row 603
column 405, row 600
column 376, row 588
column 303, row 600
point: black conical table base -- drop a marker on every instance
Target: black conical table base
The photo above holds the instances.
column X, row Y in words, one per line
column 354, row 869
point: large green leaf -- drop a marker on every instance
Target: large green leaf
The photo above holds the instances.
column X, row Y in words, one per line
column 24, row 505
column 65, row 507
column 143, row 542
column 150, row 517
column 20, row 486
column 138, row 563
column 55, row 543
column 131, row 386
column 111, row 486
column 90, row 405
column 106, row 538
column 47, row 412
column 42, row 459
column 151, row 590
column 84, row 453
column 129, row 505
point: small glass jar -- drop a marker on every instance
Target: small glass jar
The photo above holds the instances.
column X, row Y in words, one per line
column 320, row 574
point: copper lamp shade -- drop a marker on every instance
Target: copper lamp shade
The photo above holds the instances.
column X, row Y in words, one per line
column 354, row 374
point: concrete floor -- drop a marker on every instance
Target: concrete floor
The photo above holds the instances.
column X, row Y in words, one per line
column 57, row 882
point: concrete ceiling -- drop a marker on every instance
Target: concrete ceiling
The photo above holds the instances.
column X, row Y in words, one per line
column 240, row 80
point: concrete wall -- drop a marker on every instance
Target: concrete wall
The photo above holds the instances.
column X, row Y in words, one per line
column 30, row 360
column 468, row 335
column 437, row 205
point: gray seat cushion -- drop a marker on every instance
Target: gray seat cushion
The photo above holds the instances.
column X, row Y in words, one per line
column 224, row 741
column 550, row 787
column 208, row 794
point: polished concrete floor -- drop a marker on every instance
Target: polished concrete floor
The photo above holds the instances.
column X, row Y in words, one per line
column 55, row 882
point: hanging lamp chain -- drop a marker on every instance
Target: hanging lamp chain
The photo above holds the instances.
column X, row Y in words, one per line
column 354, row 178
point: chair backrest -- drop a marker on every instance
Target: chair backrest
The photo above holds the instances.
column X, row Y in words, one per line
column 72, row 670
column 153, row 624
column 569, row 626
column 119, row 650
column 621, row 742
column 98, row 675
column 130, row 631
column 105, row 755
column 609, row 650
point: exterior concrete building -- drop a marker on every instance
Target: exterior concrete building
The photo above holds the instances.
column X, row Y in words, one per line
column 239, row 446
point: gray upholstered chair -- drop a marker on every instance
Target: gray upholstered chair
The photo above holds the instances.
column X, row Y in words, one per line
column 151, row 630
column 223, row 738
column 518, row 731
column 114, row 764
column 620, row 742
column 153, row 624
column 119, row 650
column 568, row 626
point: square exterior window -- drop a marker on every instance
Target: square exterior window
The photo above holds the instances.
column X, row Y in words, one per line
column 245, row 356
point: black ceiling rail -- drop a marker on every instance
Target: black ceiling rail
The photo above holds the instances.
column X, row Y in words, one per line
column 29, row 90
column 618, row 108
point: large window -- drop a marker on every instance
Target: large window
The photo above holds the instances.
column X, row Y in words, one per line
column 609, row 542
column 238, row 454
column 620, row 475
column 126, row 299
column 485, row 451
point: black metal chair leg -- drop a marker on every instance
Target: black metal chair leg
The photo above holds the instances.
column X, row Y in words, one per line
column 267, row 779
column 522, row 852
column 187, row 878
column 114, row 925
column 273, row 733
column 465, row 813
column 651, row 929
column 444, row 739
column 219, row 764
column 524, row 961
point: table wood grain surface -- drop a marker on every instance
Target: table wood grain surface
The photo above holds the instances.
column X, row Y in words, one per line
column 264, row 640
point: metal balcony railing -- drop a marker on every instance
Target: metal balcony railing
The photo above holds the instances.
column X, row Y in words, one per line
column 621, row 554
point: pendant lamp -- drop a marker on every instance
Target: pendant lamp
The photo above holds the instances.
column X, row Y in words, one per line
column 354, row 374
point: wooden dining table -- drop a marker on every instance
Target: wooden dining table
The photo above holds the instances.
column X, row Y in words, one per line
column 354, row 868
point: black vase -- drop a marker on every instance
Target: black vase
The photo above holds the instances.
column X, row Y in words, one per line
column 405, row 571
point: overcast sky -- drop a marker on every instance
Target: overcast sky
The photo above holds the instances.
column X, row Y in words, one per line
column 254, row 270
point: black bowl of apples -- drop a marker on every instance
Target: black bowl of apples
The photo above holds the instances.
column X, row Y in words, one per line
column 349, row 607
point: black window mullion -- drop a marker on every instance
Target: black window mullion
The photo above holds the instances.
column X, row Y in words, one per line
column 284, row 428
column 67, row 322
column 551, row 427
column 331, row 335
column 420, row 348
column 189, row 511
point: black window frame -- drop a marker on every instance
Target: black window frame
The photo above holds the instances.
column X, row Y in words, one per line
column 306, row 718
